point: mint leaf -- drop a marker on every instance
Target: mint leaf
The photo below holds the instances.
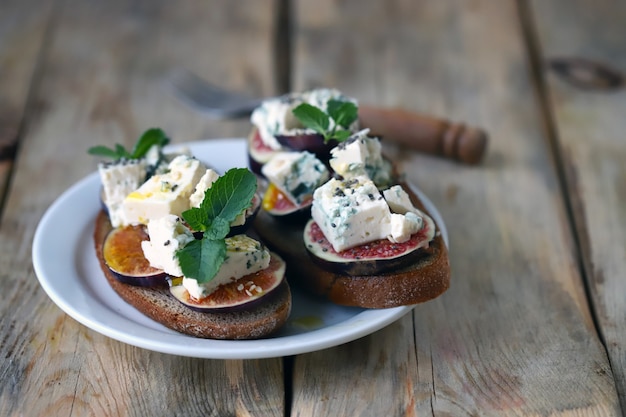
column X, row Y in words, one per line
column 344, row 113
column 312, row 117
column 228, row 197
column 149, row 138
column 341, row 135
column 202, row 259
column 196, row 218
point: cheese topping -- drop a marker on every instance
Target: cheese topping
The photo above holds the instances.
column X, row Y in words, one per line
column 167, row 235
column 296, row 174
column 164, row 194
column 119, row 179
column 351, row 212
column 361, row 155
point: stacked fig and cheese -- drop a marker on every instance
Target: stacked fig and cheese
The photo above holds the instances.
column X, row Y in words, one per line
column 366, row 232
column 145, row 201
column 276, row 129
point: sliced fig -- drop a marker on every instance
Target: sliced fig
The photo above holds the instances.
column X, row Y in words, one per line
column 123, row 255
column 258, row 152
column 276, row 203
column 368, row 259
column 240, row 294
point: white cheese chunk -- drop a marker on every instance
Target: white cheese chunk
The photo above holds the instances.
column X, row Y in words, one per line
column 167, row 235
column 244, row 256
column 361, row 155
column 296, row 174
column 275, row 117
column 351, row 212
column 204, row 184
column 119, row 179
column 164, row 194
column 402, row 226
column 400, row 202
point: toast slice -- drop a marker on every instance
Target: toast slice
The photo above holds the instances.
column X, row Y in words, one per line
column 260, row 320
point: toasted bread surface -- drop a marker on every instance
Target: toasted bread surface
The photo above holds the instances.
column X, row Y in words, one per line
column 261, row 320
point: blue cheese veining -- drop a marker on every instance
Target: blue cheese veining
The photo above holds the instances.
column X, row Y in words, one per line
column 296, row 174
column 352, row 212
column 361, row 155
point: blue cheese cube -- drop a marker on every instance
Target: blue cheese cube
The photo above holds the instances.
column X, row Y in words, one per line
column 296, row 174
column 361, row 155
column 400, row 202
column 244, row 256
column 167, row 235
column 164, row 194
column 402, row 226
column 351, row 212
column 119, row 179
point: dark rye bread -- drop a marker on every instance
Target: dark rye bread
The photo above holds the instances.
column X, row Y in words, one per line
column 262, row 319
column 424, row 280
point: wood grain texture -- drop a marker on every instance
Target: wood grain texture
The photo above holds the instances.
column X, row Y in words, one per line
column 23, row 26
column 513, row 335
column 590, row 132
column 101, row 83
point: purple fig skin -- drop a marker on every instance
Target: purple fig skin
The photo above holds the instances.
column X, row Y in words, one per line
column 155, row 280
column 312, row 142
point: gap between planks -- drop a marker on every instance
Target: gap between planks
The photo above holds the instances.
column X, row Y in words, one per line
column 536, row 64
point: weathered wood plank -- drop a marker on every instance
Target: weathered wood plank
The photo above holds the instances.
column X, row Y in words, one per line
column 100, row 84
column 513, row 335
column 23, row 25
column 590, row 130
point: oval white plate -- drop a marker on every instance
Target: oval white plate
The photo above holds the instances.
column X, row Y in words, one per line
column 67, row 269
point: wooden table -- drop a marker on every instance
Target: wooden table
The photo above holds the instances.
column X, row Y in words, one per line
column 535, row 320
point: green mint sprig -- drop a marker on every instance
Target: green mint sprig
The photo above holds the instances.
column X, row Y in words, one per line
column 342, row 113
column 149, row 138
column 228, row 197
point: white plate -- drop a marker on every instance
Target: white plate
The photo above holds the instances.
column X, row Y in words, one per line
column 67, row 268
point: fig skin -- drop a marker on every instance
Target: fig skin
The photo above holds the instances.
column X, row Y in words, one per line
column 131, row 267
column 312, row 142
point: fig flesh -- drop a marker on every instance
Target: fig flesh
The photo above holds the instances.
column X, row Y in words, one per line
column 124, row 256
column 240, row 294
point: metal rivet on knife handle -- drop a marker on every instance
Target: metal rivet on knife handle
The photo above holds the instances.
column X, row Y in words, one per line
column 426, row 134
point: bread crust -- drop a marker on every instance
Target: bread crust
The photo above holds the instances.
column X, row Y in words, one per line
column 424, row 280
column 261, row 320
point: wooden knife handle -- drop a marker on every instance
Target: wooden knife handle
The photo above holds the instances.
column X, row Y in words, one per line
column 426, row 133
